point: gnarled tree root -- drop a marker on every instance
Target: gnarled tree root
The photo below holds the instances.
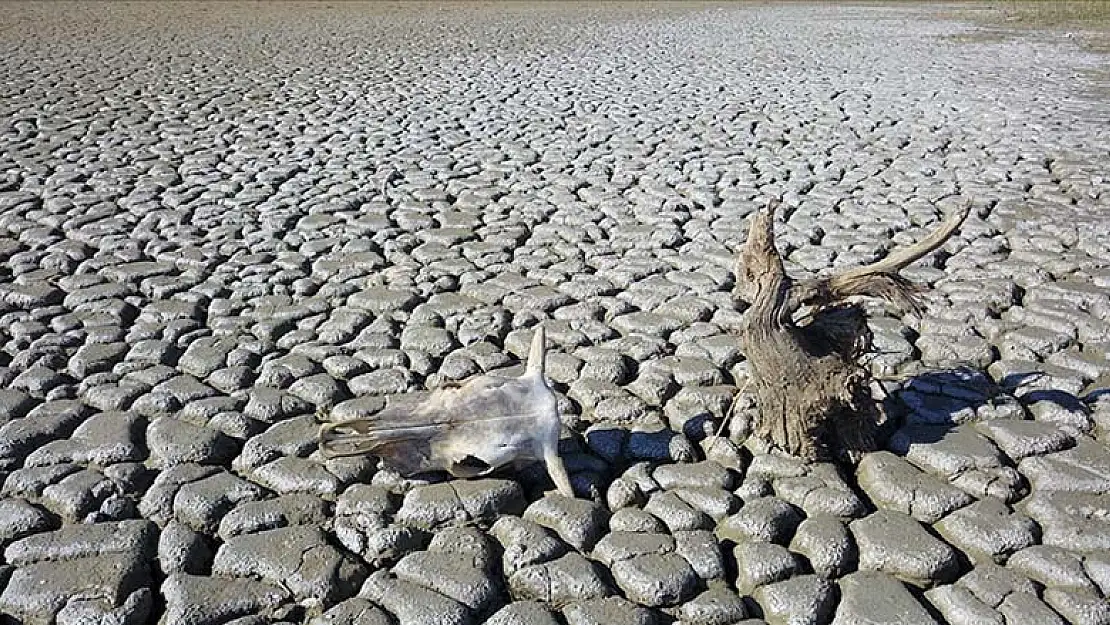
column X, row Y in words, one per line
column 813, row 396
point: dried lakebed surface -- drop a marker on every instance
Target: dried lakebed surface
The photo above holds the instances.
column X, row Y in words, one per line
column 216, row 219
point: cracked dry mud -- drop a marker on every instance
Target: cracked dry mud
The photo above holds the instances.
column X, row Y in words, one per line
column 216, row 219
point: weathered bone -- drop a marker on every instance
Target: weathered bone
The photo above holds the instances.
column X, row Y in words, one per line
column 468, row 431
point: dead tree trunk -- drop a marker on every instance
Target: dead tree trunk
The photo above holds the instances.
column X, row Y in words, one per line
column 812, row 394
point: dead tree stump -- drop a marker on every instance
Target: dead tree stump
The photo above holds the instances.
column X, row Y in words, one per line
column 804, row 339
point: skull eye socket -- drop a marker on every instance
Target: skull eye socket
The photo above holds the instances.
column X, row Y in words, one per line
column 474, row 463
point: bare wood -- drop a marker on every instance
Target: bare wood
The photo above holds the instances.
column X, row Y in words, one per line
column 878, row 279
column 812, row 394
